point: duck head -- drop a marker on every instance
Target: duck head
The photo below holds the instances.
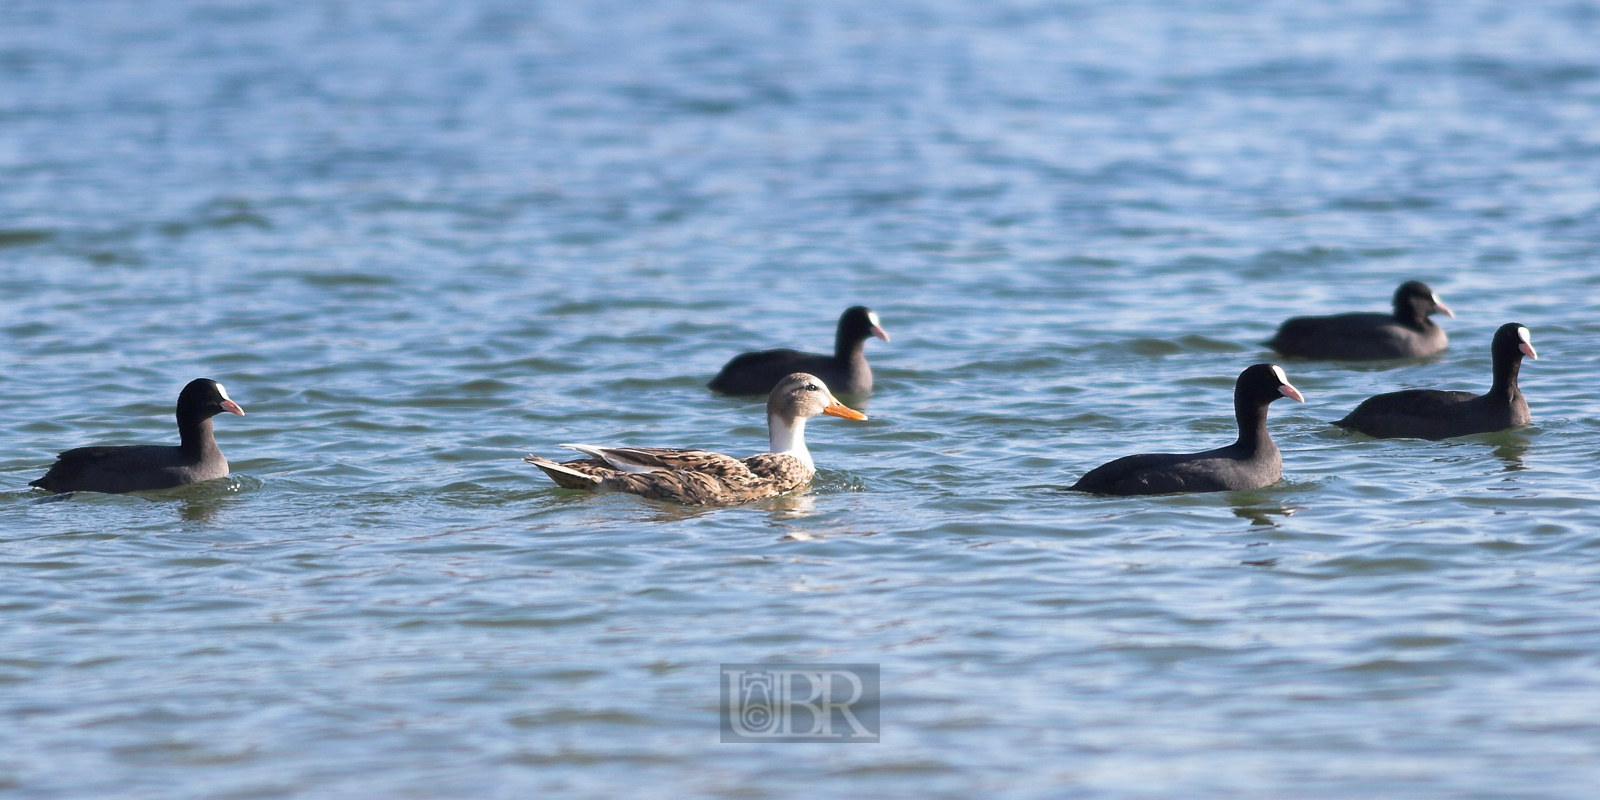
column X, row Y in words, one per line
column 794, row 400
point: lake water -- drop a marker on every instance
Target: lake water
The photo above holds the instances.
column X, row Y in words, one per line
column 417, row 240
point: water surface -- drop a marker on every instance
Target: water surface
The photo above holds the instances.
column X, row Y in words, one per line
column 416, row 240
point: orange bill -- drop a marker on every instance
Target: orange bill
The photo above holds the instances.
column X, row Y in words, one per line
column 838, row 409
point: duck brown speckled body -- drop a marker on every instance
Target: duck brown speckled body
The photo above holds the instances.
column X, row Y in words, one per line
column 703, row 478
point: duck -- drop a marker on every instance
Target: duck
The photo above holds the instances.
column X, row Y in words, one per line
column 1251, row 462
column 147, row 467
column 1409, row 332
column 1435, row 414
column 695, row 477
column 846, row 370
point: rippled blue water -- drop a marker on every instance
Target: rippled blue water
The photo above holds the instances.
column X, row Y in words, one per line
column 417, row 240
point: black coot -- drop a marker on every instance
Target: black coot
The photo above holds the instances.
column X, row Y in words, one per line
column 845, row 372
column 1433, row 414
column 134, row 468
column 1407, row 333
column 1249, row 463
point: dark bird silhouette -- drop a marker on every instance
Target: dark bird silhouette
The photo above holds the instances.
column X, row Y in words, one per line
column 1434, row 414
column 846, row 370
column 1407, row 333
column 1251, row 462
column 134, row 468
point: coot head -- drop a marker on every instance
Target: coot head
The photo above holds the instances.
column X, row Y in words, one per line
column 1414, row 300
column 1264, row 383
column 800, row 395
column 204, row 398
column 859, row 322
column 1513, row 341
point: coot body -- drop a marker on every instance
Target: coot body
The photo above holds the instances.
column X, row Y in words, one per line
column 1407, row 333
column 1251, row 462
column 1434, row 414
column 135, row 468
column 846, row 371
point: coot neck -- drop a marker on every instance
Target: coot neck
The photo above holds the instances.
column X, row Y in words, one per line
column 1506, row 368
column 849, row 348
column 195, row 436
column 1412, row 317
column 1252, row 416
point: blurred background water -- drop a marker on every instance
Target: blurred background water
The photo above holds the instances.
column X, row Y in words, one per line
column 418, row 239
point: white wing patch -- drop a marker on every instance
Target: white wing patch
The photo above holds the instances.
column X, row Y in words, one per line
column 612, row 458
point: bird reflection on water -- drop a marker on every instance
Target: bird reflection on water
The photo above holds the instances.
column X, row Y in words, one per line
column 1261, row 514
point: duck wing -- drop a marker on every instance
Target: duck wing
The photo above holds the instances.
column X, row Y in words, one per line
column 644, row 460
column 689, row 477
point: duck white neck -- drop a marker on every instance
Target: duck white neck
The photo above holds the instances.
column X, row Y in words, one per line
column 789, row 438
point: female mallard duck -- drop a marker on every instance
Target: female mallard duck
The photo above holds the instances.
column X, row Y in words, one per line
column 703, row 478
